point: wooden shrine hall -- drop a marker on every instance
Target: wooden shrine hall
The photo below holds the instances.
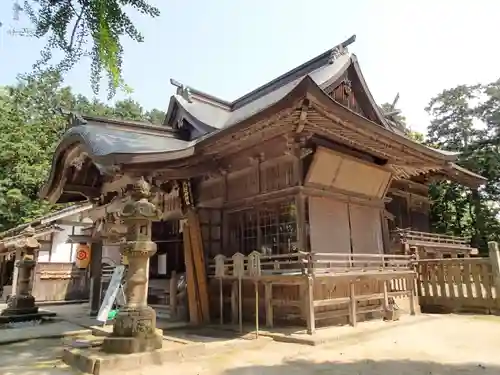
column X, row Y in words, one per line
column 284, row 206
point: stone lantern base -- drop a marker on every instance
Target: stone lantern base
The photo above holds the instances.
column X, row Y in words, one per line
column 20, row 305
column 134, row 331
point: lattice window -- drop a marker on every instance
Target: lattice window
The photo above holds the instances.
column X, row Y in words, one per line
column 269, row 230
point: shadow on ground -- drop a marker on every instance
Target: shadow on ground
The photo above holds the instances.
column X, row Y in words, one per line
column 41, row 356
column 366, row 367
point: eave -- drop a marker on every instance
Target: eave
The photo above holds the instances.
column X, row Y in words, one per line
column 345, row 126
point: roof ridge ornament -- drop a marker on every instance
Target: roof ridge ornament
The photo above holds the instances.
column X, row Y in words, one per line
column 183, row 90
column 74, row 118
column 341, row 49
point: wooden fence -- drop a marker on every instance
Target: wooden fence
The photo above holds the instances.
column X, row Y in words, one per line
column 460, row 285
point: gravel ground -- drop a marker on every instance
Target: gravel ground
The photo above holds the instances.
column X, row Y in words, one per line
column 441, row 345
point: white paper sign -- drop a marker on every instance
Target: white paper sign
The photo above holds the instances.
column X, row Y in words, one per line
column 111, row 292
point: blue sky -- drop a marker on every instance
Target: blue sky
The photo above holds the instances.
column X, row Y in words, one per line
column 228, row 48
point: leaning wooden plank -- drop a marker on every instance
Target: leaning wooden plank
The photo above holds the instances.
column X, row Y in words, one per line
column 199, row 264
column 173, row 294
column 194, row 317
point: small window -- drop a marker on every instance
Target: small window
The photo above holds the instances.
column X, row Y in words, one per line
column 461, row 255
column 446, row 256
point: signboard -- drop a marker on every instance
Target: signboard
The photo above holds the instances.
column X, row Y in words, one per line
column 82, row 256
column 114, row 287
column 187, row 194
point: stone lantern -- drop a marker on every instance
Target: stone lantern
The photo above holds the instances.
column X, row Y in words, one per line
column 23, row 303
column 134, row 329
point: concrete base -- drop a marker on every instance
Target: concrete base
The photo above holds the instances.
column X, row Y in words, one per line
column 11, row 318
column 128, row 345
column 94, row 361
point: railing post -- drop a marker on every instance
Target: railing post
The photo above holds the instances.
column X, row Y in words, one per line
column 495, row 265
column 310, row 316
column 310, row 266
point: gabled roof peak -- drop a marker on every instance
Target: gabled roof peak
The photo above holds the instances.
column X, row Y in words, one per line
column 327, row 57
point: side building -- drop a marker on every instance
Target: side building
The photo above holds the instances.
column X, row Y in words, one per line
column 56, row 277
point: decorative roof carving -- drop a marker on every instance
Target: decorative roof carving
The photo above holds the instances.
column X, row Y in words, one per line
column 340, row 49
column 182, row 90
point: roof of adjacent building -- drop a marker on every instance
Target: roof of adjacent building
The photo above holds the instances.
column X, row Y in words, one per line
column 46, row 219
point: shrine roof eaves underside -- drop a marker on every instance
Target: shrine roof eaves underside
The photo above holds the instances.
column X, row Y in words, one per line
column 112, row 142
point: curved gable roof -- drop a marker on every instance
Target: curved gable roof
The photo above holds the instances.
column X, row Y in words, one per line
column 123, row 141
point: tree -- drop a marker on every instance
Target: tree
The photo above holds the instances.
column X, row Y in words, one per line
column 85, row 28
column 31, row 129
column 456, row 116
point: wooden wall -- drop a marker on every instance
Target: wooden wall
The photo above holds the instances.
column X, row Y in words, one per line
column 410, row 207
column 60, row 282
column 267, row 168
column 250, row 182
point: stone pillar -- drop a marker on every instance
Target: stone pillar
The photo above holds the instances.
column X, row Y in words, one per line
column 23, row 303
column 135, row 324
column 15, row 275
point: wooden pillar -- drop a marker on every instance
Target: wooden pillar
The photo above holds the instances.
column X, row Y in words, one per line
column 478, row 241
column 412, row 282
column 268, row 297
column 311, row 318
column 386, row 236
column 300, row 204
column 95, row 277
column 352, row 305
column 495, row 265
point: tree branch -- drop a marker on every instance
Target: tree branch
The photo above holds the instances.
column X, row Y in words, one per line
column 75, row 27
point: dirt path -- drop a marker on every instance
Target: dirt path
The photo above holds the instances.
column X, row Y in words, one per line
column 442, row 345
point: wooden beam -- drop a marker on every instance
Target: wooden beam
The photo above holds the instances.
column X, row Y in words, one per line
column 198, row 259
column 72, row 223
column 88, row 191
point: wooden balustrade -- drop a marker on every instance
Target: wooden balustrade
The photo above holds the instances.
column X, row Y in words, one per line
column 301, row 263
column 312, row 286
column 416, row 236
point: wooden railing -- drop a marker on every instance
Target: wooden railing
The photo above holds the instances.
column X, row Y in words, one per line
column 300, row 263
column 328, row 263
column 417, row 238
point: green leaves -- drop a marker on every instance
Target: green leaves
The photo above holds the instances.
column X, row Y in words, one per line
column 30, row 129
column 85, row 28
column 467, row 119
